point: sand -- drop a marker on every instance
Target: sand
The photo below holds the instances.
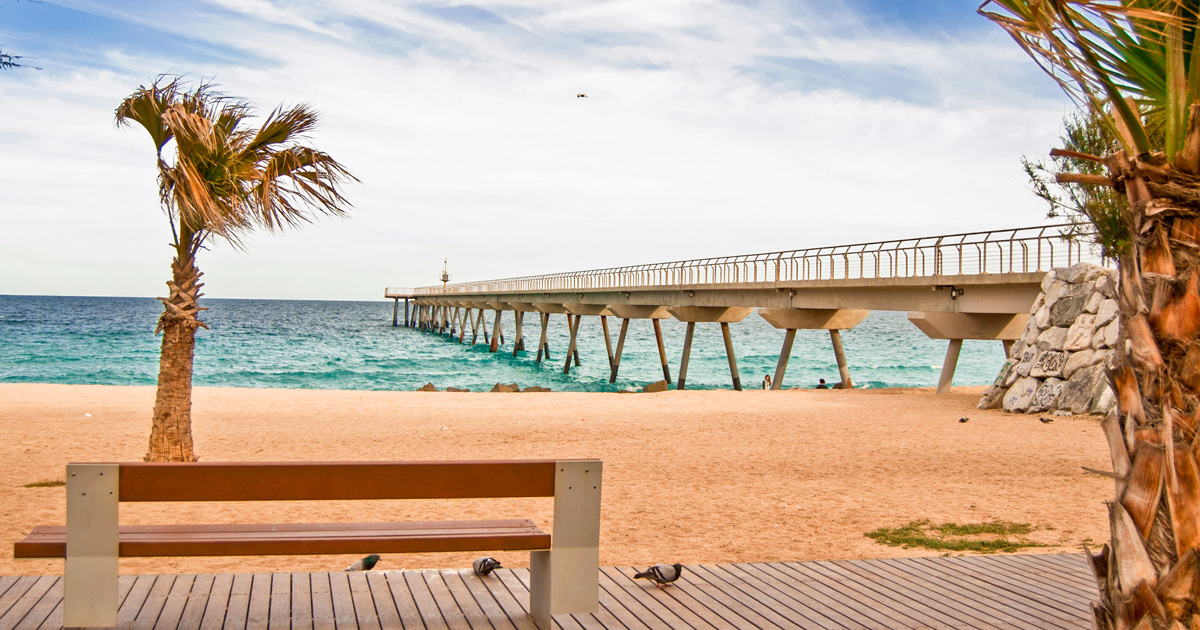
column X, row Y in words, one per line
column 692, row 477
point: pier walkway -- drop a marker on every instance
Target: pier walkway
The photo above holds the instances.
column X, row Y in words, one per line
column 976, row 285
column 1053, row 592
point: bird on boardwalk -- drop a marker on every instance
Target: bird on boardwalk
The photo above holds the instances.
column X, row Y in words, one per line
column 661, row 574
column 365, row 564
column 484, row 566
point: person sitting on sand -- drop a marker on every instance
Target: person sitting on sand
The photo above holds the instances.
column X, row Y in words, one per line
column 767, row 381
column 821, row 385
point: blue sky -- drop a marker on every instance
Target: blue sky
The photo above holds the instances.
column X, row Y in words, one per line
column 711, row 127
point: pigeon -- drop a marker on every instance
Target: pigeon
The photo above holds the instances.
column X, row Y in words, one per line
column 484, row 566
column 661, row 574
column 365, row 564
column 963, row 419
column 1046, row 420
column 581, row 96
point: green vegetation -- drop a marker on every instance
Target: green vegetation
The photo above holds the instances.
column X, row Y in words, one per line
column 992, row 537
column 49, row 483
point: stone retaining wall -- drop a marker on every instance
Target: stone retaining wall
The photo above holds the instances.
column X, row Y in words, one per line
column 1060, row 363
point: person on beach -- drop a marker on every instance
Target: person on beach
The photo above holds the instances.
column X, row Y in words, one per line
column 767, row 381
column 821, row 385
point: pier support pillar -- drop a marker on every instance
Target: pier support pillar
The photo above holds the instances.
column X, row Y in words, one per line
column 607, row 340
column 784, row 355
column 616, row 362
column 662, row 352
column 572, row 353
column 519, row 339
column 543, row 346
column 407, row 323
column 956, row 327
column 839, row 353
column 495, row 332
column 687, row 353
column 395, row 312
column 733, row 371
column 546, row 308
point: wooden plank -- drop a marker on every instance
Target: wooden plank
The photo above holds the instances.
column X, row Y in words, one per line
column 410, row 615
column 623, row 614
column 844, row 603
column 301, row 605
column 483, row 598
column 882, row 597
column 516, row 614
column 1043, row 592
column 364, row 604
column 23, row 606
column 280, row 601
column 919, row 592
column 320, row 481
column 238, row 608
column 258, row 612
column 41, row 611
column 517, row 583
column 964, row 599
column 6, row 582
column 702, row 589
column 153, row 605
column 343, row 603
column 783, row 588
column 197, row 601
column 16, row 590
column 1075, row 577
column 218, row 602
column 759, row 605
column 322, row 602
column 648, row 604
column 431, row 616
column 302, row 538
column 663, row 597
column 55, row 620
column 984, row 596
column 455, row 617
column 385, row 605
column 696, row 601
column 176, row 600
column 444, row 592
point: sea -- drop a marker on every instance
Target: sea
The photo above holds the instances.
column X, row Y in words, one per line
column 310, row 344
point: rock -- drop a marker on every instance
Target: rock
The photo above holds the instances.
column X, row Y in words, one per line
column 1110, row 360
column 1048, row 363
column 1077, row 361
column 514, row 387
column 1081, row 391
column 1031, row 333
column 427, row 387
column 1049, row 279
column 1105, row 402
column 1079, row 336
column 1027, row 358
column 1112, row 332
column 1107, row 311
column 1012, row 376
column 455, row 389
column 1106, row 285
column 1018, row 397
column 1076, row 273
column 1041, row 319
column 1053, row 293
column 1093, row 303
column 1052, row 338
column 1098, row 339
column 1046, row 396
column 993, row 398
column 1065, row 310
column 536, row 389
column 1037, row 304
column 659, row 386
column 501, row 388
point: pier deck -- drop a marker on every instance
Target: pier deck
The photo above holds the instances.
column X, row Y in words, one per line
column 1020, row 591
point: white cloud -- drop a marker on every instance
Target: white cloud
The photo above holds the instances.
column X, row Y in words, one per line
column 471, row 143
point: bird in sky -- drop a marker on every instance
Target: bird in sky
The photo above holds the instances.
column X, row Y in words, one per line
column 661, row 574
column 581, row 96
column 484, row 566
column 365, row 564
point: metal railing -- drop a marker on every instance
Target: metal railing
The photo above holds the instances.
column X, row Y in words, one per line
column 1015, row 250
column 392, row 292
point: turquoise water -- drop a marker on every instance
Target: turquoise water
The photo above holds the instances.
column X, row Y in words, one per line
column 352, row 345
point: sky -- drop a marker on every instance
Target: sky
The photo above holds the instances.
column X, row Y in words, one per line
column 710, row 127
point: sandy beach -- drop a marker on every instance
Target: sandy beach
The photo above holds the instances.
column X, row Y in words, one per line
column 694, row 476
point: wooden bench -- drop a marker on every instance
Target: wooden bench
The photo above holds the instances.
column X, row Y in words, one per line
column 563, row 566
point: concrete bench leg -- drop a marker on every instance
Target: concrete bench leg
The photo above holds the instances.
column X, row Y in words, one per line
column 566, row 579
column 90, row 577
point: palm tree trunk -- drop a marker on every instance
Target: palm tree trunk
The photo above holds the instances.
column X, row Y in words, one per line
column 171, row 432
column 1150, row 576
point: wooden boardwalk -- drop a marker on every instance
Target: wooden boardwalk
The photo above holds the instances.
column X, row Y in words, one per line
column 1025, row 591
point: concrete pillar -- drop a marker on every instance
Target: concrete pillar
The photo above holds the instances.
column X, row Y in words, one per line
column 395, row 312
column 607, row 340
column 406, row 320
column 687, row 351
column 572, row 353
column 495, row 332
column 543, row 345
column 1008, row 346
column 784, row 355
column 616, row 363
column 662, row 350
column 519, row 339
column 949, row 365
column 733, row 371
column 840, row 354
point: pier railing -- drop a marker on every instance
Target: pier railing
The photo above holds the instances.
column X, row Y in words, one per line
column 1016, row 250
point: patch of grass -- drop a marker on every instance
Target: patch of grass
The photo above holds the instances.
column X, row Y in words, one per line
column 49, row 483
column 996, row 536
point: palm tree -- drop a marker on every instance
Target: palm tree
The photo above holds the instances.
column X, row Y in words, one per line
column 226, row 180
column 1136, row 64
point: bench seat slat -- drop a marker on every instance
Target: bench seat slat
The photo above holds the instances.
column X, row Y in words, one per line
column 302, row 539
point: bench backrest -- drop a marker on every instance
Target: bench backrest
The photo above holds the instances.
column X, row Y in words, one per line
column 319, row 481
